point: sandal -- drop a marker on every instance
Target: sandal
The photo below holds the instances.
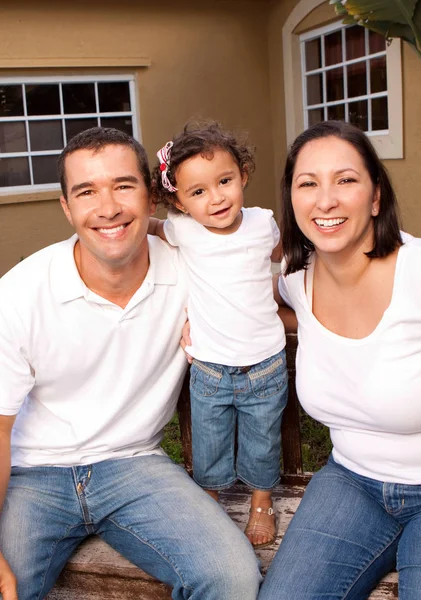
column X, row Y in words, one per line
column 255, row 527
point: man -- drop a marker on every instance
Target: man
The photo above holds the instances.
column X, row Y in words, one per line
column 90, row 372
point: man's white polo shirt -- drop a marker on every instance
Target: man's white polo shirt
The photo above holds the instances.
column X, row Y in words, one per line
column 90, row 380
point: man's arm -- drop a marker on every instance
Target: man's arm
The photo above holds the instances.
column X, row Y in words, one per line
column 156, row 227
column 7, row 579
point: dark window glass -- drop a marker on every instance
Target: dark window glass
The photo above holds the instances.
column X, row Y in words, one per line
column 45, row 135
column 44, row 169
column 42, row 99
column 11, row 101
column 75, row 126
column 314, row 89
column 315, row 116
column 333, row 48
column 122, row 123
column 114, row 96
column 376, row 42
column 14, row 171
column 335, row 84
column 378, row 74
column 336, row 112
column 355, row 42
column 13, row 137
column 379, row 114
column 313, row 54
column 358, row 114
column 79, row 98
column 357, row 79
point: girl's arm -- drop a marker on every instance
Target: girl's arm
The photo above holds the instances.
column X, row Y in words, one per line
column 285, row 313
column 156, row 227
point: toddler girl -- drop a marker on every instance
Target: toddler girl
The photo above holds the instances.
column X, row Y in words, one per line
column 238, row 377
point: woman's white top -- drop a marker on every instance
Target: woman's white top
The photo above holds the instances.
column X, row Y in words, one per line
column 367, row 391
column 232, row 312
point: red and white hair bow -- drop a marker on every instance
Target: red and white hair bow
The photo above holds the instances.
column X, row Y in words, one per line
column 164, row 156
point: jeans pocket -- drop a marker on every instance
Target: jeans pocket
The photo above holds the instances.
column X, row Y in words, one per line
column 204, row 378
column 270, row 377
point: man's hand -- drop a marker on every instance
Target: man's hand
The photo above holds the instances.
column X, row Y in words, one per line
column 8, row 588
column 185, row 340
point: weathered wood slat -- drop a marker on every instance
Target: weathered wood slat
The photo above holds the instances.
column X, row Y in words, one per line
column 97, row 572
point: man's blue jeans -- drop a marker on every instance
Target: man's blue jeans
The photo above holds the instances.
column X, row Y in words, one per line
column 348, row 532
column 146, row 507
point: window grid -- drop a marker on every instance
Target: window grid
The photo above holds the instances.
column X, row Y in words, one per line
column 62, row 117
column 346, row 100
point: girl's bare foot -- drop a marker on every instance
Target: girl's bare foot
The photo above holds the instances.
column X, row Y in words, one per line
column 261, row 526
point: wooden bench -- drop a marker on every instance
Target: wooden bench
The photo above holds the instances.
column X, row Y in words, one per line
column 96, row 571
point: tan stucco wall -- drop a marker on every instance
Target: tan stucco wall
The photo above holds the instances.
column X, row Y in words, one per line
column 208, row 59
column 404, row 172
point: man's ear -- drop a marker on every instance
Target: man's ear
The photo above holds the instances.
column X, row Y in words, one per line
column 65, row 207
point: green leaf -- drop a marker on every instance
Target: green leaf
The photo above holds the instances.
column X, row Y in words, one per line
column 395, row 11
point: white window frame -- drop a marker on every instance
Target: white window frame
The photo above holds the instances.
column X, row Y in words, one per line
column 388, row 145
column 60, row 80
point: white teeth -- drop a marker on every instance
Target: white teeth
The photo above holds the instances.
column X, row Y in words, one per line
column 329, row 222
column 111, row 231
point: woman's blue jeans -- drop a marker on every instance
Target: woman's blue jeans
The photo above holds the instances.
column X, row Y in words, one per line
column 348, row 532
column 146, row 507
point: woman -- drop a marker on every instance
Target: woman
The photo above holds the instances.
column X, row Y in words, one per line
column 356, row 290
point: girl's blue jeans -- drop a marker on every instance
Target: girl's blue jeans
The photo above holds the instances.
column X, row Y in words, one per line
column 146, row 507
column 249, row 399
column 348, row 532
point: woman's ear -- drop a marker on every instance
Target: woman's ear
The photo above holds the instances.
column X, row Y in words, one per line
column 375, row 209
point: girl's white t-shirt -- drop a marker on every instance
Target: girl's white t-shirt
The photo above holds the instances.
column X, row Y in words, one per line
column 232, row 312
column 367, row 391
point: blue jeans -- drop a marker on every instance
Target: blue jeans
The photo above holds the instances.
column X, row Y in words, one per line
column 253, row 398
column 146, row 507
column 348, row 532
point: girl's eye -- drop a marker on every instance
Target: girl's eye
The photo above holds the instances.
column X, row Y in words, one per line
column 225, row 180
column 198, row 192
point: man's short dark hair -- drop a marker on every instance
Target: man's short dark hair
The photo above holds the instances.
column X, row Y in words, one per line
column 296, row 247
column 96, row 139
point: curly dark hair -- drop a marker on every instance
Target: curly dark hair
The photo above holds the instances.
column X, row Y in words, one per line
column 296, row 247
column 200, row 138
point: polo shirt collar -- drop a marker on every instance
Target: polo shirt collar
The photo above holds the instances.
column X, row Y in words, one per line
column 67, row 284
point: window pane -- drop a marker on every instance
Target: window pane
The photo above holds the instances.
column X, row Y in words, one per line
column 14, row 171
column 44, row 169
column 75, row 126
column 376, row 42
column 46, row 135
column 123, row 123
column 355, row 42
column 79, row 98
column 42, row 99
column 11, row 102
column 333, row 48
column 357, row 79
column 378, row 76
column 358, row 114
column 314, row 89
column 13, row 137
column 114, row 96
column 379, row 114
column 315, row 116
column 335, row 84
column 313, row 54
column 336, row 112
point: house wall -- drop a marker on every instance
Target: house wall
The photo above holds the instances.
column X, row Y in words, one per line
column 208, row 59
column 403, row 172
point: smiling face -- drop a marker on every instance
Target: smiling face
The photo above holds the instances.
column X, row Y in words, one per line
column 108, row 205
column 333, row 197
column 210, row 190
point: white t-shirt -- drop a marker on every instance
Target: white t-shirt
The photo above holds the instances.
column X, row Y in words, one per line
column 90, row 380
column 232, row 312
column 367, row 391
